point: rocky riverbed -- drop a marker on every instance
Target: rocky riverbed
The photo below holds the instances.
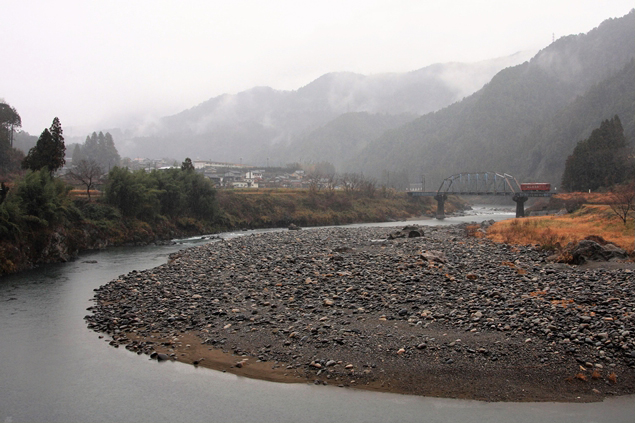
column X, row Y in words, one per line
column 443, row 314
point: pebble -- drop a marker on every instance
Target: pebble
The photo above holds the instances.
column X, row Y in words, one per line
column 332, row 291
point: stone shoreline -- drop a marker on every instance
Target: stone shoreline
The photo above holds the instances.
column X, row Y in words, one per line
column 440, row 315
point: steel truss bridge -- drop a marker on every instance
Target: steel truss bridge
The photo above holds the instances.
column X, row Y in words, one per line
column 481, row 183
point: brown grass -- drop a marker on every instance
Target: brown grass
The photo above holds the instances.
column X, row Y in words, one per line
column 585, row 197
column 473, row 230
column 553, row 232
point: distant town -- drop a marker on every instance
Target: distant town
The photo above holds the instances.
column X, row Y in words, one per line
column 232, row 175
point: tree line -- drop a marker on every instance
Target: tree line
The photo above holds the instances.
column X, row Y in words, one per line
column 98, row 150
column 601, row 161
column 10, row 157
column 39, row 202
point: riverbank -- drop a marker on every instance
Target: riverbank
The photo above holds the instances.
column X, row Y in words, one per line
column 556, row 232
column 66, row 242
column 98, row 225
column 440, row 315
column 277, row 208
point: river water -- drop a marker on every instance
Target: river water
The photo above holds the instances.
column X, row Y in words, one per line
column 53, row 368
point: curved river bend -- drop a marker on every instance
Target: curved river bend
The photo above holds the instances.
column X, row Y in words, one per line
column 53, row 368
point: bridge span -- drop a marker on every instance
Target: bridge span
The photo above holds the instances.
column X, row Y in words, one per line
column 484, row 183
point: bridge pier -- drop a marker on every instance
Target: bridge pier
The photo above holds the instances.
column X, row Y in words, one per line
column 520, row 204
column 441, row 205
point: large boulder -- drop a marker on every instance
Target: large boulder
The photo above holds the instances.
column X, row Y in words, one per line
column 589, row 250
column 410, row 231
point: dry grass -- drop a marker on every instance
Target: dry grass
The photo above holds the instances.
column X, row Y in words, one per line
column 585, row 197
column 553, row 232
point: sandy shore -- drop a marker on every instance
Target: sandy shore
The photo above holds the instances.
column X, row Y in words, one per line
column 440, row 315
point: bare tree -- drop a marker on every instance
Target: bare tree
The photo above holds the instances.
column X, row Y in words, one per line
column 331, row 181
column 351, row 182
column 87, row 172
column 314, row 179
column 623, row 201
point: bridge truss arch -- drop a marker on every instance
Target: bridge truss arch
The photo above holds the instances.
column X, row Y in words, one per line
column 479, row 183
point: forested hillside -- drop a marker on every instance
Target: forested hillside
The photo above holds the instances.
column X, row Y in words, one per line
column 528, row 119
column 253, row 124
column 341, row 140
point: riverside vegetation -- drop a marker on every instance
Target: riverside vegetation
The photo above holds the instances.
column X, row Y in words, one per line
column 556, row 232
column 41, row 223
column 43, row 220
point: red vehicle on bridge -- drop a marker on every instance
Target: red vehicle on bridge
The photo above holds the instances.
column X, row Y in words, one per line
column 535, row 186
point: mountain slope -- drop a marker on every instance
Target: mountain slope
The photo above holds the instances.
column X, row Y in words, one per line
column 505, row 125
column 247, row 124
column 340, row 140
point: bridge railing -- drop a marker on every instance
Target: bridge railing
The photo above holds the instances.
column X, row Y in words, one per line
column 480, row 183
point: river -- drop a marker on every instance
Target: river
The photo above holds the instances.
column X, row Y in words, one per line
column 54, row 369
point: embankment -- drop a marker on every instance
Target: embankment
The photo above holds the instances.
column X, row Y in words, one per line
column 239, row 209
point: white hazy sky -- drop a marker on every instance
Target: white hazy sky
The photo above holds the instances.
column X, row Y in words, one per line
column 92, row 63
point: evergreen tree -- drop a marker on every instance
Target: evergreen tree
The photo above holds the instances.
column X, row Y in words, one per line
column 111, row 156
column 99, row 148
column 9, row 119
column 49, row 151
column 78, row 156
column 9, row 156
column 599, row 161
column 187, row 165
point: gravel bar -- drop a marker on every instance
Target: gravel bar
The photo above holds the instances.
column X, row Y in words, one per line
column 443, row 314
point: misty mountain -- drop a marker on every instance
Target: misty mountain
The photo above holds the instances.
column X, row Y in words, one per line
column 340, row 140
column 527, row 119
column 246, row 125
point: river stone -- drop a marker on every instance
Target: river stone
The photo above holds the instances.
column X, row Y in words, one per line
column 297, row 298
column 410, row 231
column 588, row 250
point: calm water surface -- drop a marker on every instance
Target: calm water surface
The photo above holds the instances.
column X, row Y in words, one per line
column 52, row 368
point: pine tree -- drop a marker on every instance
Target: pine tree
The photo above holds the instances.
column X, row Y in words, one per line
column 9, row 119
column 49, row 151
column 101, row 149
column 9, row 156
column 78, row 155
column 599, row 161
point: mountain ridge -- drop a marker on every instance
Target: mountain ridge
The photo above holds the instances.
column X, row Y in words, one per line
column 220, row 125
column 492, row 129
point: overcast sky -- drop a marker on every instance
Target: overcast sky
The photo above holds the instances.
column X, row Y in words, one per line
column 92, row 63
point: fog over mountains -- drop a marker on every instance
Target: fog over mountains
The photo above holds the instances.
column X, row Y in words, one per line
column 245, row 125
column 520, row 114
column 528, row 118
